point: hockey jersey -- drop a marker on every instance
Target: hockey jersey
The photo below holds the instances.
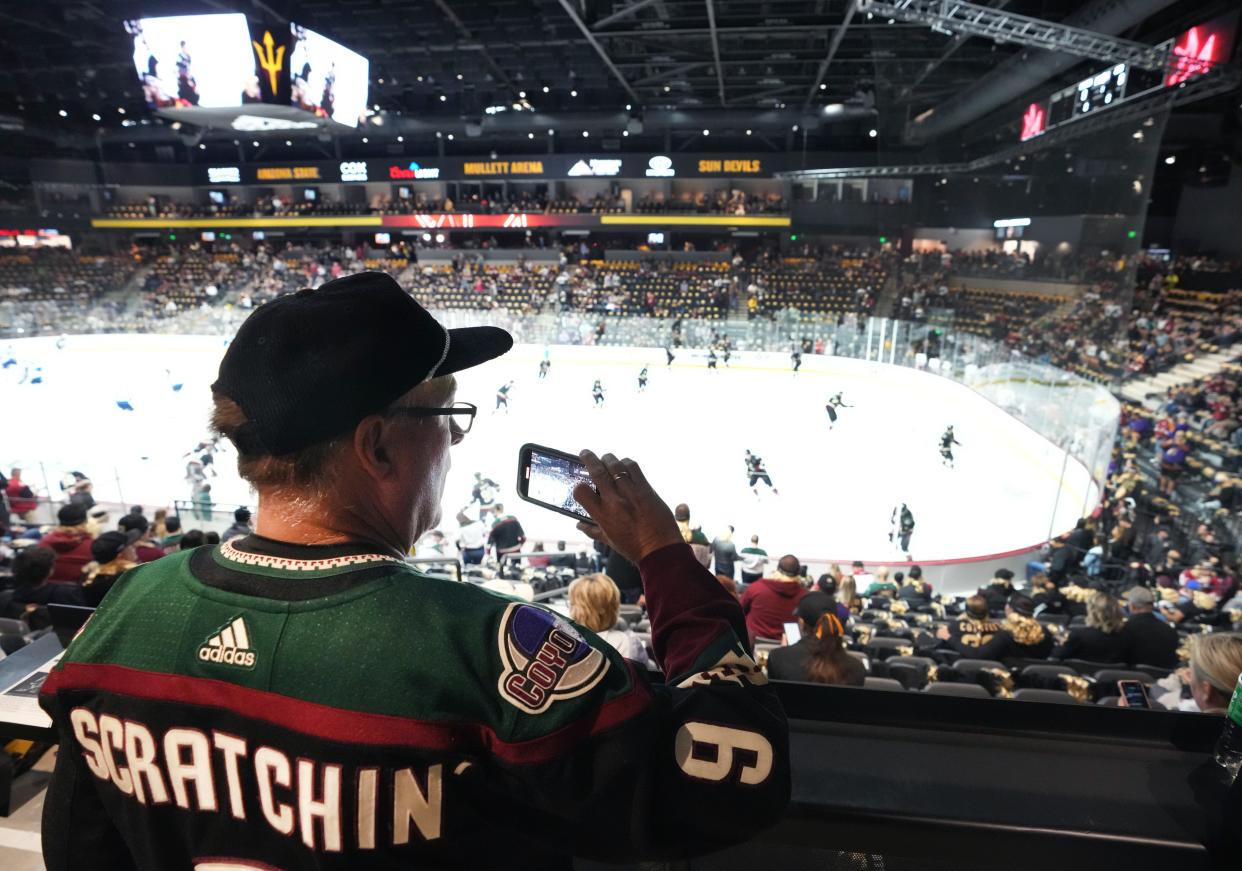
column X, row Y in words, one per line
column 262, row 705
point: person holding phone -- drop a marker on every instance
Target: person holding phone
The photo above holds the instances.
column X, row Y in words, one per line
column 303, row 697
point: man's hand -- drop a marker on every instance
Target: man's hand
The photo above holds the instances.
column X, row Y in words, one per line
column 631, row 517
column 942, row 632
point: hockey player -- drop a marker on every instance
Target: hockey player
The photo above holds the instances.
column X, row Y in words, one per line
column 902, row 520
column 756, row 472
column 947, row 441
column 671, row 358
column 597, row 393
column 544, row 365
column 502, row 397
column 642, row 380
column 796, row 356
column 834, row 402
column 711, row 358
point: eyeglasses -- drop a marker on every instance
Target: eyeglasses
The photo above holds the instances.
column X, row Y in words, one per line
column 467, row 408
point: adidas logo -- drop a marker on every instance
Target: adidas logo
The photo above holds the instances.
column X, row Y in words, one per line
column 229, row 646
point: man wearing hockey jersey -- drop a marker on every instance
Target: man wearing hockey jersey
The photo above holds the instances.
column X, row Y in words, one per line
column 303, row 698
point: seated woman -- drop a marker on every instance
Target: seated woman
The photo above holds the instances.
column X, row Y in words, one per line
column 819, row 656
column 1215, row 663
column 1101, row 639
column 594, row 602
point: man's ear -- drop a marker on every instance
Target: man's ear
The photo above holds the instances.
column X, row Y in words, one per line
column 369, row 437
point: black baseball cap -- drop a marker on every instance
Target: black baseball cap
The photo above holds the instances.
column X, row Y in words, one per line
column 109, row 545
column 71, row 514
column 306, row 367
column 134, row 522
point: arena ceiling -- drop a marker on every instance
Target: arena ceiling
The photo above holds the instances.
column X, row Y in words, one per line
column 723, row 64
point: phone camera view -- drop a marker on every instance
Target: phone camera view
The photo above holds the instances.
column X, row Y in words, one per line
column 551, row 480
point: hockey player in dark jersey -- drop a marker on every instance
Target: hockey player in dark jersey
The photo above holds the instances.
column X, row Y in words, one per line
column 544, row 365
column 597, row 393
column 796, row 357
column 642, row 380
column 834, row 402
column 502, row 397
column 947, row 441
column 726, row 349
column 902, row 521
column 304, row 698
column 711, row 358
column 669, row 353
column 756, row 471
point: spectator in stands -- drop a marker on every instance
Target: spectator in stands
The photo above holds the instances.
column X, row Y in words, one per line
column 881, row 585
column 974, row 629
column 563, row 558
column 693, row 535
column 847, row 595
column 32, row 569
column 538, row 562
column 114, row 555
column 1215, row 663
column 1101, row 640
column 1020, row 635
column 172, row 538
column 754, row 561
column 769, row 602
column 145, row 549
column 1068, row 551
column 192, row 538
column 862, row 577
column 22, row 501
column 999, row 590
column 915, row 591
column 819, row 656
column 1149, row 640
column 201, row 500
column 595, row 602
column 240, row 525
column 471, row 539
column 71, row 542
column 507, row 535
column 724, row 552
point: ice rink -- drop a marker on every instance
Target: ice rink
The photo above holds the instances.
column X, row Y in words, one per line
column 688, row 430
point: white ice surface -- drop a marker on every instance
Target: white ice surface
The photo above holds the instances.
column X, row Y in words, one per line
column 688, row 431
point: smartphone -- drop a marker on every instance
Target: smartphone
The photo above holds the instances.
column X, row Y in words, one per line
column 547, row 477
column 793, row 634
column 1135, row 693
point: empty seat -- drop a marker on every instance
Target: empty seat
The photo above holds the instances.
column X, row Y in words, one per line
column 1034, row 675
column 883, row 683
column 964, row 690
column 971, row 667
column 1089, row 668
column 883, row 648
column 1034, row 695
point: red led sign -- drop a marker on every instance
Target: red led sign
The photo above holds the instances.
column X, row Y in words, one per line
column 1200, row 49
column 1034, row 121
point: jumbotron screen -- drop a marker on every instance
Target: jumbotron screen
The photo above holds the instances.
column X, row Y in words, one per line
column 327, row 78
column 194, row 60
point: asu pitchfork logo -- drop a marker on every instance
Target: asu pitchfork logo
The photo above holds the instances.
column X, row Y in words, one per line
column 273, row 60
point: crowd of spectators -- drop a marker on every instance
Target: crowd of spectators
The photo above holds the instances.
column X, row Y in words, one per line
column 511, row 201
column 76, row 560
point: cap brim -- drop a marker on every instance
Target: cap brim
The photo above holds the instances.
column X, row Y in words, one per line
column 470, row 346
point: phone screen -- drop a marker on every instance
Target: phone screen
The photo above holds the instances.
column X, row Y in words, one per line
column 1135, row 693
column 793, row 634
column 550, row 480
